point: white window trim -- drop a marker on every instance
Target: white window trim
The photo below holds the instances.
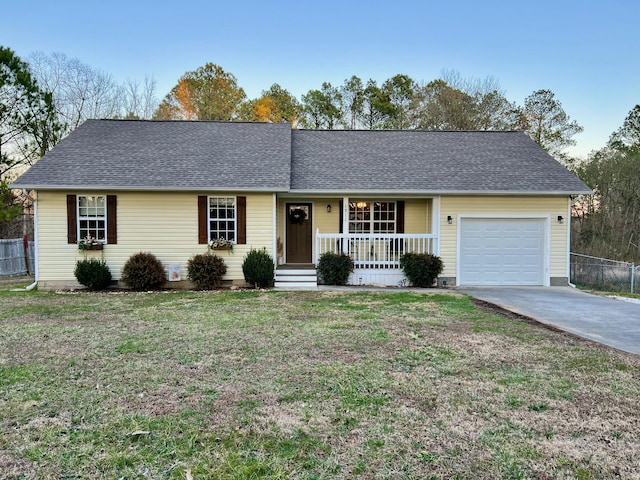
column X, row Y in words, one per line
column 235, row 217
column 372, row 220
column 79, row 218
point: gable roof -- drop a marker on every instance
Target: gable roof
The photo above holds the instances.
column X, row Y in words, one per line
column 162, row 155
column 477, row 162
column 236, row 156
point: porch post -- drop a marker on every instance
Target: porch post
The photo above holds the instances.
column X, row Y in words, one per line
column 435, row 224
column 274, row 219
column 345, row 223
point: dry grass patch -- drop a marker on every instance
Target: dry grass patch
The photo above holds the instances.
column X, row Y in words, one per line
column 304, row 385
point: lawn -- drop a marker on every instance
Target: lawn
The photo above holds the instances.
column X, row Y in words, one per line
column 313, row 385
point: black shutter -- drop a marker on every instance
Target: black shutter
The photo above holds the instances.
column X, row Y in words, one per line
column 112, row 219
column 241, row 219
column 203, row 230
column 400, row 216
column 72, row 219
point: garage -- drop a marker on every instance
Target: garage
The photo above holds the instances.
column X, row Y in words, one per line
column 502, row 251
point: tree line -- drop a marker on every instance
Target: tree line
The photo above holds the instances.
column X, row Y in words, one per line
column 63, row 92
column 46, row 98
column 607, row 223
column 446, row 103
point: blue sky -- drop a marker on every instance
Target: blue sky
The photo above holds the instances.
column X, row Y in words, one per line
column 587, row 52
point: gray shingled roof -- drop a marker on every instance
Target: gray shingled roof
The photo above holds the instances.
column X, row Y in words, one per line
column 420, row 161
column 128, row 155
column 122, row 154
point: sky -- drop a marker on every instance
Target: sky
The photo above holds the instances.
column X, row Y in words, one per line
column 587, row 52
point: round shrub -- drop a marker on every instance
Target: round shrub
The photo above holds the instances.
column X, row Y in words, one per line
column 143, row 271
column 93, row 273
column 258, row 268
column 206, row 270
column 334, row 268
column 421, row 269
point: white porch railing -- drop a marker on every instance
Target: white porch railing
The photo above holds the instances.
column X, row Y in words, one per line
column 377, row 250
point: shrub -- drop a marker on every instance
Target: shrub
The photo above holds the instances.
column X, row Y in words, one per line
column 421, row 269
column 93, row 273
column 205, row 270
column 258, row 268
column 143, row 271
column 334, row 268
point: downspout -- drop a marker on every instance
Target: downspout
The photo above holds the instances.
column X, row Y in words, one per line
column 569, row 244
column 28, row 288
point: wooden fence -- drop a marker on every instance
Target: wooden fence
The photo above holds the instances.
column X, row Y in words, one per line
column 13, row 260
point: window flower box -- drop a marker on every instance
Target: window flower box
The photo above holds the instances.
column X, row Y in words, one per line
column 221, row 244
column 90, row 243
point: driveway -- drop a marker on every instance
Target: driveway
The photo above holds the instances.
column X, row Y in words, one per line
column 606, row 320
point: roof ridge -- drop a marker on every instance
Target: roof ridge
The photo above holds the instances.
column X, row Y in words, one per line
column 153, row 120
column 413, row 130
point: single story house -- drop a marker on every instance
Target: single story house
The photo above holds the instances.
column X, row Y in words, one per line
column 493, row 205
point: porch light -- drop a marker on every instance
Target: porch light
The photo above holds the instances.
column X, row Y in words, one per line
column 328, row 208
column 560, row 219
column 449, row 219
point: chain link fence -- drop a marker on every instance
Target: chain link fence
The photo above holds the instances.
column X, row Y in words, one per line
column 604, row 274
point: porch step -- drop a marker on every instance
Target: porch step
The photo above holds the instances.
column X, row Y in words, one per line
column 296, row 277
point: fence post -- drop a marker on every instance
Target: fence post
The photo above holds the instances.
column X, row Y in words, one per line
column 27, row 260
column 633, row 276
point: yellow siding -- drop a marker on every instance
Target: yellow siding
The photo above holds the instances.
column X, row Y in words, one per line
column 542, row 206
column 165, row 224
column 417, row 215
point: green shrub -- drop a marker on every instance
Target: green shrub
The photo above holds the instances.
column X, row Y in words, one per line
column 143, row 271
column 205, row 270
column 334, row 268
column 93, row 273
column 258, row 268
column 421, row 269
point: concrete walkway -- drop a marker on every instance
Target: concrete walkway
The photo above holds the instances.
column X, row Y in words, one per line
column 606, row 320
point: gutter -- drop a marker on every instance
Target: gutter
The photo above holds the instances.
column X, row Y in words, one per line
column 114, row 188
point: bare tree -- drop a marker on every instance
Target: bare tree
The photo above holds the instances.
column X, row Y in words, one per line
column 139, row 101
column 79, row 91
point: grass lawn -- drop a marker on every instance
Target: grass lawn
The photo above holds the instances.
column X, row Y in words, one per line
column 313, row 385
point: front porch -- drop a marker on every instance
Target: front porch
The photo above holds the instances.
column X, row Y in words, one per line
column 376, row 257
column 374, row 231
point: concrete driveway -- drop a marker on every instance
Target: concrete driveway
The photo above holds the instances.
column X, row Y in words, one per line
column 606, row 320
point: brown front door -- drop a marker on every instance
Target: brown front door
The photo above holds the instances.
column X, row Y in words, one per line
column 299, row 233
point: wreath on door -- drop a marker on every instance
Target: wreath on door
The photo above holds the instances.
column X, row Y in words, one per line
column 297, row 216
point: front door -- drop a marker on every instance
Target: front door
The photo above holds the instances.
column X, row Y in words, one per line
column 299, row 233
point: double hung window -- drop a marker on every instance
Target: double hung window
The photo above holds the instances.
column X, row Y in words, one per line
column 92, row 217
column 372, row 217
column 222, row 218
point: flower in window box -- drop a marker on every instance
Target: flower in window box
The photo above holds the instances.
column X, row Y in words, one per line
column 221, row 244
column 90, row 243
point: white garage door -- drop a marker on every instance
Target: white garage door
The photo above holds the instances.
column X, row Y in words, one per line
column 502, row 251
